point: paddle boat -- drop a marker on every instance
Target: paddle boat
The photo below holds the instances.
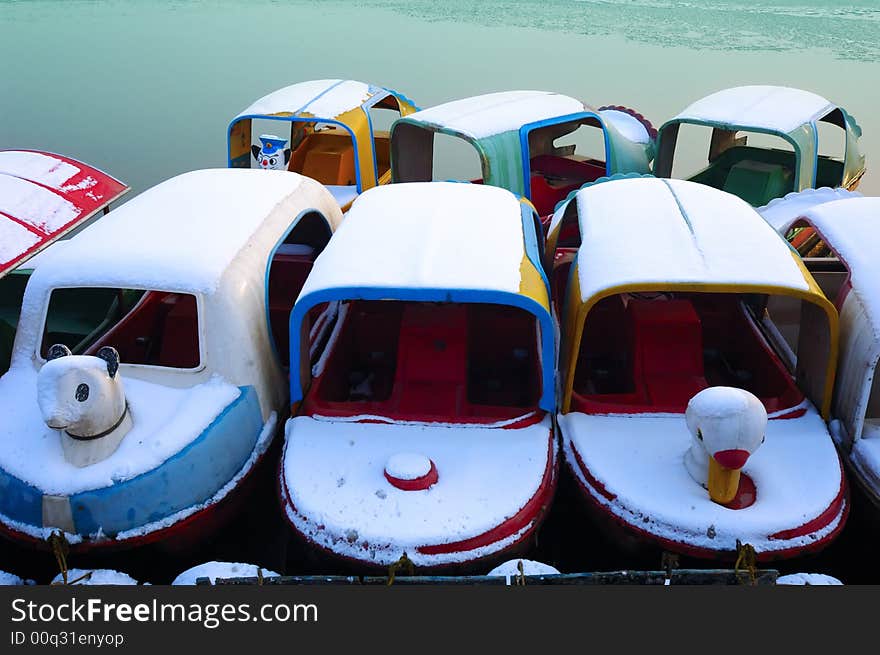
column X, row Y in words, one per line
column 839, row 242
column 518, row 137
column 422, row 416
column 144, row 387
column 332, row 137
column 805, row 141
column 43, row 197
column 697, row 364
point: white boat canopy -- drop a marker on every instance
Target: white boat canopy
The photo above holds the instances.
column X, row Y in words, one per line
column 438, row 235
column 666, row 232
column 183, row 233
column 480, row 117
column 320, row 98
column 775, row 108
column 850, row 227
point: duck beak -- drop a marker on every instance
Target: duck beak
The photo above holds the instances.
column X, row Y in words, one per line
column 723, row 482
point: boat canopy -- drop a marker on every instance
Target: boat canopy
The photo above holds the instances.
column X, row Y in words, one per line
column 342, row 103
column 43, row 196
column 849, row 228
column 785, row 112
column 432, row 242
column 648, row 234
column 184, row 233
column 498, row 127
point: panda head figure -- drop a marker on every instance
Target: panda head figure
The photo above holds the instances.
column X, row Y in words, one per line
column 271, row 155
column 82, row 396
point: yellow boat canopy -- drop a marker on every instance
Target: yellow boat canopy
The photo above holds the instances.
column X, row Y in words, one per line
column 648, row 234
column 342, row 104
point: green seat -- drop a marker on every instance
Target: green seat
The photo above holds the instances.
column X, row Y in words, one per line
column 757, row 182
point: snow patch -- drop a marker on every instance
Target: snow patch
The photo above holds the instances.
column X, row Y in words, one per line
column 38, row 167
column 15, row 239
column 408, row 466
column 94, row 577
column 214, row 570
column 530, row 567
column 35, row 205
column 809, row 579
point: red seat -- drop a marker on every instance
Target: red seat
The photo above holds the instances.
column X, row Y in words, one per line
column 286, row 279
column 667, row 343
column 431, row 359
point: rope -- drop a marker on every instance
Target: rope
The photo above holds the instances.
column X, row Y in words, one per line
column 520, row 579
column 746, row 562
column 669, row 562
column 403, row 563
column 60, row 548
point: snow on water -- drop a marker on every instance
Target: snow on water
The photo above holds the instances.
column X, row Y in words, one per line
column 36, row 166
column 807, row 579
column 94, row 577
column 640, row 461
column 14, row 240
column 9, row 579
column 214, row 570
column 334, row 474
column 530, row 567
column 35, row 205
column 411, row 235
column 493, row 113
column 777, row 108
column 165, row 420
column 676, row 232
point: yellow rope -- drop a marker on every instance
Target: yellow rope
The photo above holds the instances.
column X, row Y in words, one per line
column 60, row 548
column 403, row 563
column 747, row 562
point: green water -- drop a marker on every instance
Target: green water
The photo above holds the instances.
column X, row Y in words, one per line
column 145, row 90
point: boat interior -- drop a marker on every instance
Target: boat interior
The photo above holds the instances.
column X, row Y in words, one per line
column 156, row 328
column 562, row 158
column 652, row 352
column 426, row 361
column 11, row 292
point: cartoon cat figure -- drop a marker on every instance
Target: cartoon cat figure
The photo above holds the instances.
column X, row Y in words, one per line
column 272, row 156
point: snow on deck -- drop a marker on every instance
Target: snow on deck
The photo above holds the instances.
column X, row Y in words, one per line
column 37, row 166
column 777, row 108
column 223, row 570
column 95, row 577
column 15, row 240
column 640, row 460
column 486, row 115
column 334, row 473
column 850, row 228
column 649, row 230
column 179, row 235
column 34, row 204
column 425, row 235
column 166, row 419
column 320, row 98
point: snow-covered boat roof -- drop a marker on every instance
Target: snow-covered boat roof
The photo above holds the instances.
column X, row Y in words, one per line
column 483, row 116
column 849, row 226
column 426, row 235
column 775, row 108
column 651, row 231
column 317, row 98
column 782, row 212
column 42, row 197
column 183, row 233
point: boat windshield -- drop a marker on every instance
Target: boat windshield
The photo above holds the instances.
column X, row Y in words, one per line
column 155, row 328
column 448, row 362
column 652, row 352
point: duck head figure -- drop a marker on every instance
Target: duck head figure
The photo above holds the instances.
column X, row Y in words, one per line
column 82, row 396
column 727, row 426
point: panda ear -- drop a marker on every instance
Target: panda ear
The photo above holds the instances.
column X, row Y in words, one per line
column 110, row 355
column 286, row 156
column 56, row 351
column 256, row 152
